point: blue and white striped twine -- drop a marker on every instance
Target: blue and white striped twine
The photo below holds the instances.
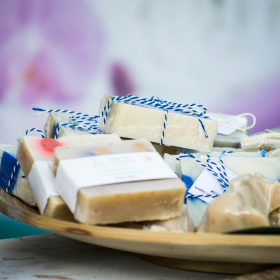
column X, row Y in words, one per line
column 84, row 121
column 213, row 167
column 17, row 164
column 155, row 102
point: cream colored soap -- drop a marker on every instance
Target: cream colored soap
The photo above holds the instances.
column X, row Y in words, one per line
column 57, row 209
column 138, row 122
column 246, row 204
column 134, row 201
column 35, row 148
column 156, row 199
column 53, row 122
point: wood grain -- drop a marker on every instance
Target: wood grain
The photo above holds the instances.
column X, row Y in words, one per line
column 242, row 249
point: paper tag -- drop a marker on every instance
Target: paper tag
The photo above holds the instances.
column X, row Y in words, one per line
column 206, row 183
column 41, row 182
column 224, row 130
column 73, row 174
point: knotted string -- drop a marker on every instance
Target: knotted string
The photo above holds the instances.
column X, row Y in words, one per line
column 155, row 102
column 83, row 121
column 219, row 172
column 17, row 164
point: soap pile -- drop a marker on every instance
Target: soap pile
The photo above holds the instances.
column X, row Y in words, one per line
column 148, row 164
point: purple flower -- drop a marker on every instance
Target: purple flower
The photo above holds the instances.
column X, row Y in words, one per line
column 121, row 81
column 49, row 49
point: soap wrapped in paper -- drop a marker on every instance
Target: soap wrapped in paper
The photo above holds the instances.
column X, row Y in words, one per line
column 127, row 197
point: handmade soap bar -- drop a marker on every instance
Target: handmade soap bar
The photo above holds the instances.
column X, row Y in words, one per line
column 101, row 148
column 41, row 181
column 246, row 204
column 35, row 148
column 232, row 140
column 120, row 187
column 189, row 170
column 53, row 122
column 138, row 122
column 12, row 178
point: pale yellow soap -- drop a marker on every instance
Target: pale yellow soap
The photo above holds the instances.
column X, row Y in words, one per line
column 134, row 201
column 132, row 121
column 56, row 208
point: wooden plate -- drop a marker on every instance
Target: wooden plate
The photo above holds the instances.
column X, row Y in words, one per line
column 222, row 253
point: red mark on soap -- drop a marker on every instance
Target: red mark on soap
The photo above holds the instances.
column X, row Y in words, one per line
column 49, row 144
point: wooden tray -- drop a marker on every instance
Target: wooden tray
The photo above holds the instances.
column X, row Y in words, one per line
column 221, row 253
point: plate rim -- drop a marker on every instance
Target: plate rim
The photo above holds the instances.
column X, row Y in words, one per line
column 133, row 235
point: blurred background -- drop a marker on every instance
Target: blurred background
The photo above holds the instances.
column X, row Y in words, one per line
column 66, row 54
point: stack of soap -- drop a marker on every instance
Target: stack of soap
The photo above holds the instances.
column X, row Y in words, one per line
column 12, row 178
column 41, row 181
column 34, row 154
column 136, row 122
column 35, row 148
column 128, row 183
column 246, row 204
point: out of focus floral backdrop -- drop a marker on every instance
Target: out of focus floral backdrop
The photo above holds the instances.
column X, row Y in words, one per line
column 66, row 54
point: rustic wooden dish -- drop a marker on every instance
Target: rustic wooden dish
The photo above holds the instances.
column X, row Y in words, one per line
column 220, row 253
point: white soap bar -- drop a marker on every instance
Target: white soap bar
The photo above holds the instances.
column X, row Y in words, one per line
column 172, row 162
column 41, row 181
column 132, row 121
column 12, row 178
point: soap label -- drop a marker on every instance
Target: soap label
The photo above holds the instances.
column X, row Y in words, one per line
column 225, row 130
column 207, row 183
column 117, row 168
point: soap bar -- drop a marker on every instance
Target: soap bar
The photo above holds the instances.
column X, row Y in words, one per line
column 189, row 170
column 35, row 148
column 53, row 122
column 101, row 148
column 41, row 181
column 246, row 204
column 232, row 140
column 182, row 223
column 132, row 121
column 120, row 187
column 15, row 184
column 238, row 208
